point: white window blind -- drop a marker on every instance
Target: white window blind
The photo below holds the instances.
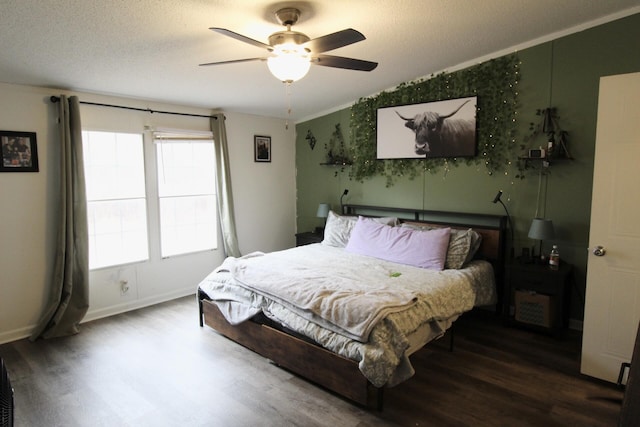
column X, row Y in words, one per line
column 186, row 192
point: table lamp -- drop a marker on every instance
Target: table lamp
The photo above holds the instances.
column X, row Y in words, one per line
column 323, row 212
column 541, row 229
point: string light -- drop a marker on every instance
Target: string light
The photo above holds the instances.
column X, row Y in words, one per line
column 495, row 83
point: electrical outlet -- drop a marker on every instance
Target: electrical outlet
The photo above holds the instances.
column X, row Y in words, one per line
column 124, row 287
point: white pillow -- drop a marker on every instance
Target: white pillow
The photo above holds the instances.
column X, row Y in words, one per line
column 338, row 228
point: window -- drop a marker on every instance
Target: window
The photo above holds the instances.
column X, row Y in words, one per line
column 186, row 192
column 116, row 198
column 185, row 215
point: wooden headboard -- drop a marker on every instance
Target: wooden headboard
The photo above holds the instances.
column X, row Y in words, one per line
column 492, row 228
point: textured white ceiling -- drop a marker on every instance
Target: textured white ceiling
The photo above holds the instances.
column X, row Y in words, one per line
column 151, row 49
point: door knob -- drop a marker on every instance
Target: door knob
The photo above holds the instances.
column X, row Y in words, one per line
column 599, row 251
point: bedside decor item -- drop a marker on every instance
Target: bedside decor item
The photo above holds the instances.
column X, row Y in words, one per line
column 554, row 258
column 262, row 148
column 19, row 151
column 323, row 212
column 541, row 229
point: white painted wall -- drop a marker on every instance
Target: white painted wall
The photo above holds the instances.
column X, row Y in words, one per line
column 264, row 195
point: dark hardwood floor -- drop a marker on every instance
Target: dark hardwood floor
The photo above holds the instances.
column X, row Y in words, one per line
column 157, row 367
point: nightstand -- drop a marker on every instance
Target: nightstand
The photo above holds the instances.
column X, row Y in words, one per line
column 537, row 296
column 307, row 238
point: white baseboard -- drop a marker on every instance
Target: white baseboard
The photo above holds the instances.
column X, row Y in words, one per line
column 136, row 304
column 25, row 332
column 16, row 334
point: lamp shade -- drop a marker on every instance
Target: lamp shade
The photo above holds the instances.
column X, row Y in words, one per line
column 323, row 210
column 541, row 229
column 289, row 63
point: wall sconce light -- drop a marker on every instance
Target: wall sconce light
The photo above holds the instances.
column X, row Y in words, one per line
column 344, row 193
column 497, row 199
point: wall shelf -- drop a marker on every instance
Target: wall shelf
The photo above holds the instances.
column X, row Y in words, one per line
column 337, row 164
column 542, row 160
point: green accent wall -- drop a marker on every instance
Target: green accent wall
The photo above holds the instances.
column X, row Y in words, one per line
column 564, row 74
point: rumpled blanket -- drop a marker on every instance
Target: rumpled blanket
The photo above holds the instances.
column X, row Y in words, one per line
column 348, row 301
column 441, row 296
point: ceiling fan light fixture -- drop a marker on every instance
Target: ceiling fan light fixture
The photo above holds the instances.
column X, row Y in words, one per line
column 289, row 65
column 291, row 52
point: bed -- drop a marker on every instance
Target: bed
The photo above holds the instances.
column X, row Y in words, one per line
column 330, row 325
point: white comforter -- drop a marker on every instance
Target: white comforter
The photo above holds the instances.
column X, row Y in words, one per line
column 361, row 307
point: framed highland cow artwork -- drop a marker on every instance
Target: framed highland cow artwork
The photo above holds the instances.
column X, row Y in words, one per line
column 432, row 130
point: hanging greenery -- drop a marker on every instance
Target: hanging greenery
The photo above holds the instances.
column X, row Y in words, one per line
column 493, row 82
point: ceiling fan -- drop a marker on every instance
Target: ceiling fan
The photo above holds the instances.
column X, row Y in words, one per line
column 291, row 53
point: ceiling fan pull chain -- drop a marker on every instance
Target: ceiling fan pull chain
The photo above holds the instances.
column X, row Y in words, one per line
column 287, row 93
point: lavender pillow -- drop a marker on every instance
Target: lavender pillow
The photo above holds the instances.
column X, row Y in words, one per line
column 338, row 228
column 425, row 249
column 463, row 245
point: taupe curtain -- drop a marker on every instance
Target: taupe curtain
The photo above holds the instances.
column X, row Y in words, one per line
column 69, row 287
column 223, row 190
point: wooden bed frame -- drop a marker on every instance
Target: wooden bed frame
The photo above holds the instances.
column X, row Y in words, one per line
column 330, row 370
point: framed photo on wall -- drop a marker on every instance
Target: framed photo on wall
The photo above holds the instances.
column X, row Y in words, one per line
column 432, row 130
column 19, row 151
column 262, row 148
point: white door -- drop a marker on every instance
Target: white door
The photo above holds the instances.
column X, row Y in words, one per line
column 612, row 308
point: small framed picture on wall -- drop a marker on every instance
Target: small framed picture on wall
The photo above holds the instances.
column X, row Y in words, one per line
column 262, row 148
column 19, row 151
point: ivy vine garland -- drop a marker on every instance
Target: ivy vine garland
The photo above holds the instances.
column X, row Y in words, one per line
column 493, row 82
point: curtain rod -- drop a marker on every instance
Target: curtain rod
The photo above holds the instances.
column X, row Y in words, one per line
column 55, row 99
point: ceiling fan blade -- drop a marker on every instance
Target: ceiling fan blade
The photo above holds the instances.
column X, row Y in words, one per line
column 341, row 62
column 240, row 37
column 334, row 40
column 233, row 61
